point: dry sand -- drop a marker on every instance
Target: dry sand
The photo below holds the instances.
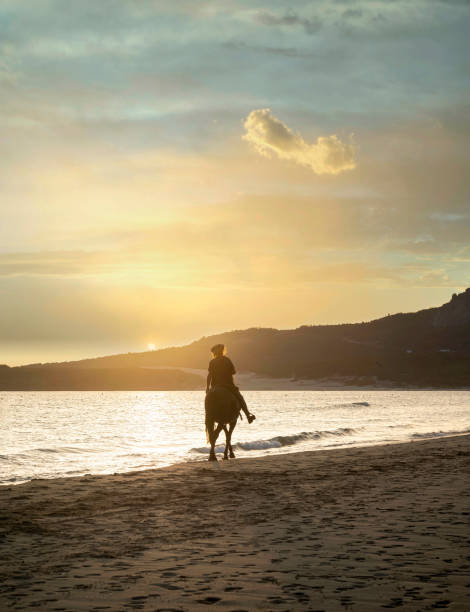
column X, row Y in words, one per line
column 353, row 530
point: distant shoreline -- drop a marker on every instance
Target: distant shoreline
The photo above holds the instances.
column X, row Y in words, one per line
column 245, row 383
column 175, row 378
column 280, row 388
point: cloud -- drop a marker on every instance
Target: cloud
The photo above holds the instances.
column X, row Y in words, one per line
column 435, row 278
column 290, row 18
column 352, row 13
column 285, row 242
column 241, row 45
column 270, row 136
column 59, row 263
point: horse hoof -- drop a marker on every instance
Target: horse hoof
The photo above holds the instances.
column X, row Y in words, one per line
column 232, row 455
column 212, row 458
column 225, row 458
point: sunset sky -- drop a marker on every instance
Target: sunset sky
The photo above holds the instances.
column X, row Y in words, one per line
column 171, row 169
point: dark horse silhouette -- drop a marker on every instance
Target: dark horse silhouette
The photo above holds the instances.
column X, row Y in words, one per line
column 222, row 410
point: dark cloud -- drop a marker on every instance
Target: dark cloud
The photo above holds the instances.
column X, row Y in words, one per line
column 283, row 51
column 290, row 19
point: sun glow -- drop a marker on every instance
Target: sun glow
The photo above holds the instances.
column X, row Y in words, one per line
column 151, row 346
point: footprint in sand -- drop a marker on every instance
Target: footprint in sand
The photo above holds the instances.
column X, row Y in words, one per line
column 209, row 600
column 233, row 588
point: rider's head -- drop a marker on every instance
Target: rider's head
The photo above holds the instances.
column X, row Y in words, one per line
column 218, row 350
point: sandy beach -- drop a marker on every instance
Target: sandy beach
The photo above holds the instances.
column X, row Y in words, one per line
column 250, row 381
column 353, row 530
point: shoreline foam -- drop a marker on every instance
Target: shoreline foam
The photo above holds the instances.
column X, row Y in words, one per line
column 282, row 443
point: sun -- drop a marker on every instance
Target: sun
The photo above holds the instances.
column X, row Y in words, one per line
column 151, row 346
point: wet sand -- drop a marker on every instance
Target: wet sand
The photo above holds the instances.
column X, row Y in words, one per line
column 362, row 529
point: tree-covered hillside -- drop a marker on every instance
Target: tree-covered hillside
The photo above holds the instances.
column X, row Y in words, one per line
column 430, row 348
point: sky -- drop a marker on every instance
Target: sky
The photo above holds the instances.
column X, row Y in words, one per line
column 169, row 170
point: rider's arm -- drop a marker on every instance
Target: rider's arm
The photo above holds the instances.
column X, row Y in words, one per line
column 208, row 382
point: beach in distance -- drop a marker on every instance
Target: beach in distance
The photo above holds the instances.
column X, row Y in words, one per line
column 350, row 529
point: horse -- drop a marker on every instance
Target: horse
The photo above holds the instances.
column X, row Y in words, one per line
column 223, row 409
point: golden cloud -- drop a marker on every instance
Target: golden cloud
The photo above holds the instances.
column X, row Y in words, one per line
column 269, row 136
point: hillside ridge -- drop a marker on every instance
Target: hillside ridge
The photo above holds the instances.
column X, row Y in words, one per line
column 430, row 347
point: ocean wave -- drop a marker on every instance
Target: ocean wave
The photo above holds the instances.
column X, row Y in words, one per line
column 57, row 449
column 346, row 405
column 14, row 479
column 440, row 434
column 37, row 452
column 280, row 441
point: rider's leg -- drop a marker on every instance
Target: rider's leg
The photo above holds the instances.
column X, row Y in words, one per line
column 241, row 399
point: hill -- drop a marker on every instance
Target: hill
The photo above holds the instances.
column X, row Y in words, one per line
column 427, row 348
column 53, row 378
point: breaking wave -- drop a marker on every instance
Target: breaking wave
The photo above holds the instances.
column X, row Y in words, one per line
column 440, row 434
column 346, row 405
column 280, row 441
column 39, row 452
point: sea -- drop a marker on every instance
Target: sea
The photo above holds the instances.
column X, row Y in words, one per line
column 63, row 434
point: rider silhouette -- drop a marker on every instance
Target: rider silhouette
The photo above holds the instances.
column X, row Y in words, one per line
column 221, row 371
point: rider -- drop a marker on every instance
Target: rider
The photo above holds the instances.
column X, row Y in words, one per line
column 221, row 371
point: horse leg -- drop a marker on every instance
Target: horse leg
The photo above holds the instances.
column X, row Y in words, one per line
column 213, row 435
column 226, row 442
column 229, row 438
